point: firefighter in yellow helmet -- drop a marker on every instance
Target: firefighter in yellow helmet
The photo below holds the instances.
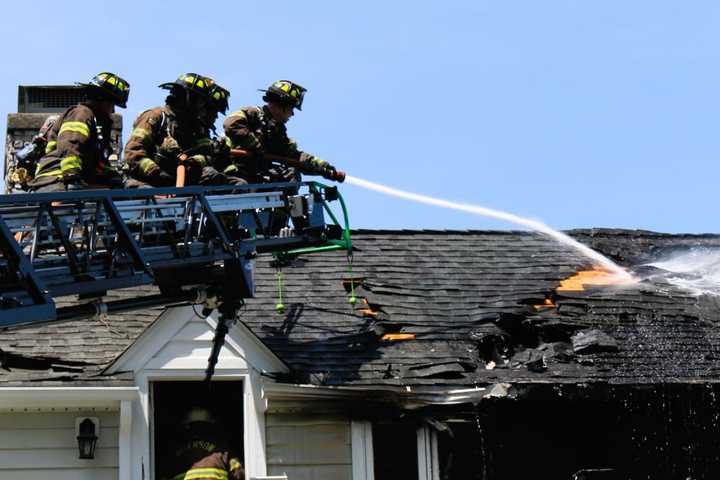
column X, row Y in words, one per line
column 79, row 145
column 261, row 131
column 203, row 453
column 176, row 134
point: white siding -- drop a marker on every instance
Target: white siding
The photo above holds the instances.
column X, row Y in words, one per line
column 309, row 446
column 39, row 446
column 190, row 348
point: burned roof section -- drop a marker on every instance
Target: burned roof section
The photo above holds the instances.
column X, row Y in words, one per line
column 441, row 309
column 470, row 308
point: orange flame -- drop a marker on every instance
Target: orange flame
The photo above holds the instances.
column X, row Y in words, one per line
column 596, row 277
column 545, row 305
column 394, row 337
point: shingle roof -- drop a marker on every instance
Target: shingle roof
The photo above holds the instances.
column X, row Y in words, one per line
column 466, row 296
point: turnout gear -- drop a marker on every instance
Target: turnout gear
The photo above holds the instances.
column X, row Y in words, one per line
column 77, row 151
column 286, row 92
column 204, row 455
column 24, row 161
column 253, row 129
column 160, row 141
column 110, row 86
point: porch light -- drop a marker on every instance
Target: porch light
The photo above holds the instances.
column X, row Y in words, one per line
column 87, row 439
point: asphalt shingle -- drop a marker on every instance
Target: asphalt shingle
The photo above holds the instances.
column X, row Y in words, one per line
column 467, row 298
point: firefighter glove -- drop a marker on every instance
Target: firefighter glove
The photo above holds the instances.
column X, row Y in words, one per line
column 116, row 181
column 74, row 183
column 161, row 178
column 221, row 147
column 319, row 163
column 195, row 161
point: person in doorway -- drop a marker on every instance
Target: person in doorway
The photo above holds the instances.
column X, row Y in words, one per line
column 261, row 132
column 176, row 135
column 77, row 154
column 203, row 453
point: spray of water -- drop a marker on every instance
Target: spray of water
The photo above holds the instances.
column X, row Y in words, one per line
column 540, row 227
column 696, row 270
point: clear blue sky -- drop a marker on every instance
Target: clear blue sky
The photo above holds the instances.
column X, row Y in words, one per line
column 576, row 113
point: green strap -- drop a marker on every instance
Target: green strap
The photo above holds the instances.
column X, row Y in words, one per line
column 353, row 298
column 279, row 307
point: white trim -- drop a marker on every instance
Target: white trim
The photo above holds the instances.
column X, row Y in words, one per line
column 174, row 319
column 59, row 397
column 151, row 340
column 124, row 440
column 427, row 452
column 254, row 406
column 405, row 397
column 255, row 349
column 363, row 462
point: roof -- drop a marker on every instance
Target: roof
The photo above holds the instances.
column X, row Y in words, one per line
column 464, row 302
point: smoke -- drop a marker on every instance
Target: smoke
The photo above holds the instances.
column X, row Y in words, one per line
column 540, row 227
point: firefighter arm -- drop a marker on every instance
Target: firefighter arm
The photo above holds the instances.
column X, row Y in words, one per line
column 239, row 134
column 73, row 141
column 140, row 148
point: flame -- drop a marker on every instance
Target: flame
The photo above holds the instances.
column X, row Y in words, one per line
column 598, row 276
column 548, row 303
column 394, row 337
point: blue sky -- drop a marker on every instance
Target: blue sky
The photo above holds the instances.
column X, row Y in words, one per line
column 577, row 113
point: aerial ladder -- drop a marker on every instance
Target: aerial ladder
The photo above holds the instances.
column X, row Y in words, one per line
column 197, row 245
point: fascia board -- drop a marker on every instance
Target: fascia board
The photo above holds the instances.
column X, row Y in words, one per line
column 60, row 397
column 407, row 397
column 259, row 350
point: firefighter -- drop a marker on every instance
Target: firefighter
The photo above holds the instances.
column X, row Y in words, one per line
column 219, row 101
column 24, row 161
column 176, row 135
column 203, row 453
column 78, row 144
column 261, row 132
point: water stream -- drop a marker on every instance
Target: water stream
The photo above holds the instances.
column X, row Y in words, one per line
column 696, row 270
column 597, row 258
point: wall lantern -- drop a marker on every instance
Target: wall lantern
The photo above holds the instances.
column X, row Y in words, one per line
column 87, row 429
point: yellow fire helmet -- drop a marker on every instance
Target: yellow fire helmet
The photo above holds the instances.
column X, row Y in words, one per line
column 219, row 98
column 287, row 92
column 110, row 85
column 193, row 82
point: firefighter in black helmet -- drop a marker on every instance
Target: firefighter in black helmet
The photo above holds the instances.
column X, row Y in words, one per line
column 261, row 131
column 79, row 143
column 176, row 134
column 203, row 453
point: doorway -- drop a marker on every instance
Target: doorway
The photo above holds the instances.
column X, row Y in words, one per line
column 172, row 400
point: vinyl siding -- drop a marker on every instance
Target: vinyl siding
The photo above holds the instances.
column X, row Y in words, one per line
column 42, row 445
column 309, row 446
